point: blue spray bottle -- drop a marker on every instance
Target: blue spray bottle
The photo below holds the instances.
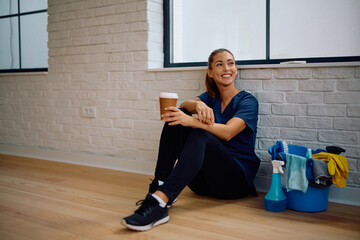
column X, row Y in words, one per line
column 275, row 200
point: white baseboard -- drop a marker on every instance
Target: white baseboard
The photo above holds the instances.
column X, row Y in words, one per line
column 143, row 167
column 346, row 195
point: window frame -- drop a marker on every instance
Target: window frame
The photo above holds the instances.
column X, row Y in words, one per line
column 167, row 24
column 18, row 15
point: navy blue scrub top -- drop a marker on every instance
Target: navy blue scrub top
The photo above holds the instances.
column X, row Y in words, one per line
column 242, row 146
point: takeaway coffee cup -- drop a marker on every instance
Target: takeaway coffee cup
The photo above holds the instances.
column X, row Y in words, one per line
column 167, row 100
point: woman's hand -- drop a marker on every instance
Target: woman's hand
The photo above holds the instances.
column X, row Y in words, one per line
column 223, row 131
column 177, row 117
column 205, row 114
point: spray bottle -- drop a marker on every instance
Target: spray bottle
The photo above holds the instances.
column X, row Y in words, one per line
column 275, row 200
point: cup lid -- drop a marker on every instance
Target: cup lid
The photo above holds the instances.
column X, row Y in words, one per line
column 168, row 95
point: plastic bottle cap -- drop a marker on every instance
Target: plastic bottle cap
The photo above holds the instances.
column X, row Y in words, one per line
column 277, row 166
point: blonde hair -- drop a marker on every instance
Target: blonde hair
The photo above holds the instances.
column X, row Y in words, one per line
column 211, row 88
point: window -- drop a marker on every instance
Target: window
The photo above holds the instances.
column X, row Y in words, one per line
column 261, row 31
column 23, row 35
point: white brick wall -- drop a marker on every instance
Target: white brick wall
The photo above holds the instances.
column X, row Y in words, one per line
column 99, row 54
column 312, row 107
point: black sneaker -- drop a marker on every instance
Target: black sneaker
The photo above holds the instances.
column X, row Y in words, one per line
column 149, row 215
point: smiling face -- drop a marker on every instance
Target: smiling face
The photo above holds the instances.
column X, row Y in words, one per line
column 223, row 69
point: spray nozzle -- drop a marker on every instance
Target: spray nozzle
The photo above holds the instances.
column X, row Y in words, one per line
column 277, row 166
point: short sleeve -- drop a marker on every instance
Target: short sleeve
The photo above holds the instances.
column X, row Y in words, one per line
column 204, row 97
column 209, row 101
column 247, row 109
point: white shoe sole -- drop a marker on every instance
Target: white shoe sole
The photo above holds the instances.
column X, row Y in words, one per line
column 146, row 227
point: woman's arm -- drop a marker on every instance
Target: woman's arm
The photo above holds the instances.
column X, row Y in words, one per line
column 190, row 105
column 195, row 105
column 223, row 131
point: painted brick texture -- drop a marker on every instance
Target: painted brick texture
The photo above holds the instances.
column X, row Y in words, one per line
column 312, row 107
column 99, row 55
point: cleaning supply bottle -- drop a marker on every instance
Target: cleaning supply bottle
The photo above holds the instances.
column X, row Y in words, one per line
column 309, row 166
column 275, row 200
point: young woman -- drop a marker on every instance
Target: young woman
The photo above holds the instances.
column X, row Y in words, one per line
column 213, row 152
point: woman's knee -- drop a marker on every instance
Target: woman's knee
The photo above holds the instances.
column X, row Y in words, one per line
column 202, row 133
column 168, row 127
column 185, row 111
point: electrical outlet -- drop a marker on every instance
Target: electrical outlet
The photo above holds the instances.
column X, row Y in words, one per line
column 88, row 111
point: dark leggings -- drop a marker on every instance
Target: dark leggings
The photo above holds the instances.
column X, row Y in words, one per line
column 204, row 164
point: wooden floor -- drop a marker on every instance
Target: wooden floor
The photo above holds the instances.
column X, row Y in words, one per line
column 48, row 200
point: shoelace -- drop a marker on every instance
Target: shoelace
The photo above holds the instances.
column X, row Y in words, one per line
column 139, row 202
column 145, row 206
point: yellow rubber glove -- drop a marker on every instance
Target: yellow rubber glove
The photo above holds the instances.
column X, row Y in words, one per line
column 338, row 167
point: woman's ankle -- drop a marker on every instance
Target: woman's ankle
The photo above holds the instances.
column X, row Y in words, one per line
column 162, row 195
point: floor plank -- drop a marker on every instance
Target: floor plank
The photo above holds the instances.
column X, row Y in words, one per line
column 49, row 200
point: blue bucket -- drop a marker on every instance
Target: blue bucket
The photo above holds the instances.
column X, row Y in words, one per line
column 315, row 199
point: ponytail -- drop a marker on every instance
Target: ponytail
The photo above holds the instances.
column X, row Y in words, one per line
column 211, row 88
